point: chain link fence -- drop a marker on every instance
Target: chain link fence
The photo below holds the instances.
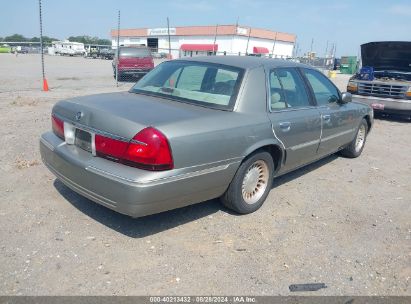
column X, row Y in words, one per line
column 125, row 65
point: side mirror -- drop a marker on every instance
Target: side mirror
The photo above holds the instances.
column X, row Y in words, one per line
column 346, row 98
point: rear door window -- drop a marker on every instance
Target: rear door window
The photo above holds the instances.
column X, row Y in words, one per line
column 293, row 87
column 277, row 98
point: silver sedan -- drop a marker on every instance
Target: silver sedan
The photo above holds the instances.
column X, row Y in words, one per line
column 197, row 129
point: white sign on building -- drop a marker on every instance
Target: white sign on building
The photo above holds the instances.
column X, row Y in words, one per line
column 242, row 31
column 161, row 31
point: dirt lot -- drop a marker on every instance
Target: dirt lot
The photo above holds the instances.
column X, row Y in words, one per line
column 342, row 222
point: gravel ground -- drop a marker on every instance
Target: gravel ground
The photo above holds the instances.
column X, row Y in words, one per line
column 342, row 222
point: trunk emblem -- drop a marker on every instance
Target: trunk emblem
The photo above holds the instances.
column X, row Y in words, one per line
column 78, row 116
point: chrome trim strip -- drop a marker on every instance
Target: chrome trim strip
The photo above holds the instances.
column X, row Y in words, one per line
column 338, row 134
column 92, row 130
column 321, row 131
column 231, row 160
column 305, row 144
column 68, row 182
column 163, row 179
column 293, row 109
column 133, row 141
column 93, row 144
column 46, row 143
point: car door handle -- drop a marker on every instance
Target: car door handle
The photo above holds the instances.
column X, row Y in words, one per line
column 327, row 118
column 285, row 126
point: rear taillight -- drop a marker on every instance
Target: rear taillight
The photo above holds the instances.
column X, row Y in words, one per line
column 148, row 150
column 58, row 126
column 110, row 148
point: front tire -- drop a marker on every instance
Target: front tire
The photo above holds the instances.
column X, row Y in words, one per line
column 251, row 184
column 355, row 148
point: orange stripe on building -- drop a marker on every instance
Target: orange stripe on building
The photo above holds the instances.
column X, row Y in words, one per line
column 222, row 30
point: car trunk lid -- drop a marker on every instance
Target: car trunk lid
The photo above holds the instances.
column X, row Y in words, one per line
column 125, row 114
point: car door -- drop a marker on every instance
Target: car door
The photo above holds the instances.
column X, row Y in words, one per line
column 336, row 118
column 295, row 119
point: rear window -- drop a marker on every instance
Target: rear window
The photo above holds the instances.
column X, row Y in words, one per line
column 204, row 84
column 135, row 52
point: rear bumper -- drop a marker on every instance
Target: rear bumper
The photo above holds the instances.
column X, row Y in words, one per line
column 128, row 190
column 386, row 105
column 133, row 71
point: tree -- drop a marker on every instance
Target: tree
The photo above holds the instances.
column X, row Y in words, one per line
column 15, row 38
column 46, row 39
column 89, row 40
column 104, row 41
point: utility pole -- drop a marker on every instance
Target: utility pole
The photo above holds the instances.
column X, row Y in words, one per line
column 118, row 46
column 294, row 48
column 248, row 40
column 275, row 40
column 335, row 50
column 311, row 50
column 45, row 84
column 235, row 33
column 325, row 55
column 215, row 39
column 169, row 38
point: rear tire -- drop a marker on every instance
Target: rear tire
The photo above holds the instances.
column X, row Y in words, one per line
column 251, row 184
column 355, row 148
column 120, row 77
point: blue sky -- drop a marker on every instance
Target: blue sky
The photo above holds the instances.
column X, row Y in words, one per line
column 348, row 23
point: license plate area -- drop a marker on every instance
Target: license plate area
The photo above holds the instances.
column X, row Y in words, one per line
column 83, row 140
column 377, row 106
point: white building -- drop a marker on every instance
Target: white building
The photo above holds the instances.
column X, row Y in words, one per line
column 203, row 40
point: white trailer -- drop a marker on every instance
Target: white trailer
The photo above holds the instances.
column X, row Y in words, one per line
column 68, row 48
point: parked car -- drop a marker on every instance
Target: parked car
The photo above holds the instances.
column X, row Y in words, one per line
column 92, row 52
column 133, row 62
column 197, row 129
column 386, row 86
column 106, row 53
column 157, row 55
column 22, row 49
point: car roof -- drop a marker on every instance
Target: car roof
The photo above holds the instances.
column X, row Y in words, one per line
column 245, row 62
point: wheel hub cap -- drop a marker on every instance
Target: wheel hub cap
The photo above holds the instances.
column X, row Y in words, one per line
column 359, row 141
column 255, row 182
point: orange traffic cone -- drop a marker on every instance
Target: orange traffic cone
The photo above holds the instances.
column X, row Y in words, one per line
column 45, row 85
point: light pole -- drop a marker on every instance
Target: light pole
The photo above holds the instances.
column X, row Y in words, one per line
column 118, row 46
column 45, row 84
column 169, row 39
